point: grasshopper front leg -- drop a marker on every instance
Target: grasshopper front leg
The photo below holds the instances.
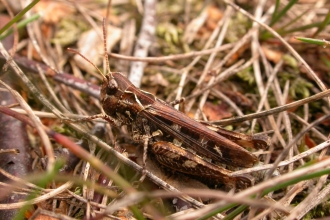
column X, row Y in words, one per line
column 107, row 118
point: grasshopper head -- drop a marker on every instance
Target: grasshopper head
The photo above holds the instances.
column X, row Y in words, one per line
column 116, row 99
column 110, row 94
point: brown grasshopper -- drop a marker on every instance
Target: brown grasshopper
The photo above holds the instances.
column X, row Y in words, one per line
column 177, row 141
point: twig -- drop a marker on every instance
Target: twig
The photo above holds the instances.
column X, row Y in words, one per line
column 274, row 110
column 52, row 215
column 172, row 57
column 37, row 123
column 289, row 145
column 315, row 197
column 290, row 48
column 9, row 151
column 319, row 134
column 137, row 167
column 28, row 83
column 286, row 200
column 306, row 153
column 276, row 181
column 39, row 199
column 211, row 59
column 188, row 68
column 144, row 41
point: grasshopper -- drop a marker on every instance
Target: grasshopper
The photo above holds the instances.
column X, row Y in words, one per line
column 177, row 141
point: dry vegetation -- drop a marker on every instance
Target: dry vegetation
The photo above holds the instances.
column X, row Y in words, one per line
column 238, row 66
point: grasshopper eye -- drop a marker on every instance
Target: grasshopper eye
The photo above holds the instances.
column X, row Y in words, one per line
column 110, row 90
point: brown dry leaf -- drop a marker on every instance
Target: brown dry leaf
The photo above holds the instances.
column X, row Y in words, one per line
column 123, row 214
column 271, row 54
column 194, row 26
column 54, row 11
column 324, row 122
column 35, row 54
column 9, row 40
column 62, row 208
column 202, row 26
column 29, row 213
column 309, row 142
column 237, row 55
column 216, row 112
column 214, row 16
column 47, row 31
column 289, row 100
column 238, row 98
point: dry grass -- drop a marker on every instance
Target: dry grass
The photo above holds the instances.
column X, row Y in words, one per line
column 226, row 60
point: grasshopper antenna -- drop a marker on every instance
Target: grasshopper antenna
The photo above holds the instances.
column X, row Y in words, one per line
column 76, row 52
column 112, row 84
column 111, row 80
column 105, row 47
column 105, row 53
